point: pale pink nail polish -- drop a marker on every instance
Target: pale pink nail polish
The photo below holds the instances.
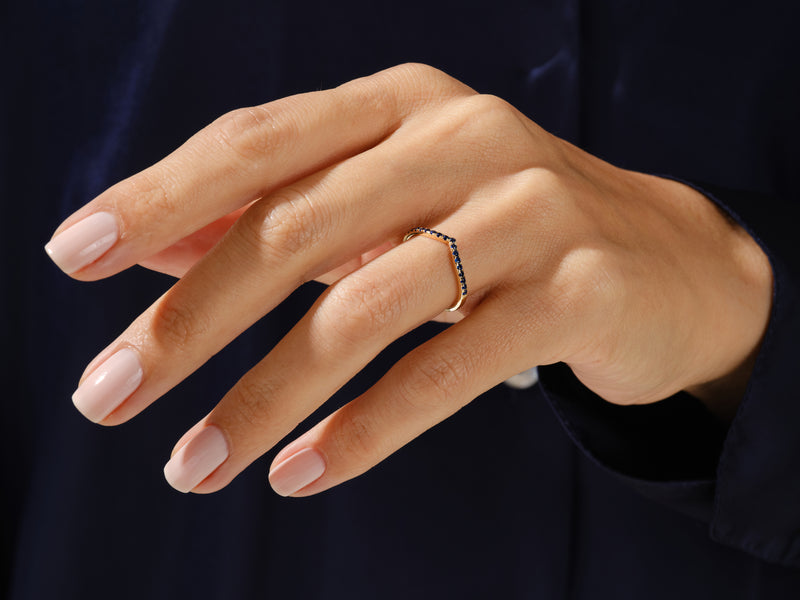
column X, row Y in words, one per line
column 84, row 242
column 297, row 471
column 109, row 385
column 197, row 459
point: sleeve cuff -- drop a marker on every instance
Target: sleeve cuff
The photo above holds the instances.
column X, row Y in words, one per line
column 667, row 450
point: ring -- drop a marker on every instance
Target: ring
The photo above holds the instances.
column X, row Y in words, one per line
column 451, row 243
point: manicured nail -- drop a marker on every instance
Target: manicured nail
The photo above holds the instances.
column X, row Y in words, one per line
column 109, row 385
column 84, row 242
column 297, row 471
column 197, row 459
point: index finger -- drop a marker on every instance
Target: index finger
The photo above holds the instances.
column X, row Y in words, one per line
column 240, row 157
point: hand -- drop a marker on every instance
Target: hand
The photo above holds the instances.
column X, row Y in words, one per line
column 638, row 283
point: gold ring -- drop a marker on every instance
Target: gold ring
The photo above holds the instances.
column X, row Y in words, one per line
column 451, row 244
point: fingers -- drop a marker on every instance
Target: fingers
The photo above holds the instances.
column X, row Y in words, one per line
column 424, row 388
column 245, row 154
column 321, row 222
column 348, row 325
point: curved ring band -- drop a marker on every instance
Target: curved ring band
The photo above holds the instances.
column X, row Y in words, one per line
column 451, row 244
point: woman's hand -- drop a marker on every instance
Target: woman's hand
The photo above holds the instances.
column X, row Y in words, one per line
column 638, row 283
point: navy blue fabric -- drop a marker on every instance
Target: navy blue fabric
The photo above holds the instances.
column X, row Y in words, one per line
column 497, row 502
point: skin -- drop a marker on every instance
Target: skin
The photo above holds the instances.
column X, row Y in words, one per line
column 638, row 283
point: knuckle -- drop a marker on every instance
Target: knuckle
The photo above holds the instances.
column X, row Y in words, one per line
column 148, row 194
column 398, row 90
column 489, row 104
column 426, row 77
column 177, row 325
column 251, row 132
column 538, row 201
column 486, row 125
column 251, row 400
column 590, row 281
column 486, row 116
column 289, row 223
column 355, row 438
column 416, row 69
column 358, row 309
column 587, row 290
column 370, row 97
column 418, row 74
column 437, row 381
column 551, row 193
column 481, row 108
column 404, row 72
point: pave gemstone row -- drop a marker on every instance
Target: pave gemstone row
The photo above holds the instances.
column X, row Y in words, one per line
column 451, row 243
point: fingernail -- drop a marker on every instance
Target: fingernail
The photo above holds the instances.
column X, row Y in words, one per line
column 84, row 242
column 297, row 471
column 109, row 385
column 197, row 459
